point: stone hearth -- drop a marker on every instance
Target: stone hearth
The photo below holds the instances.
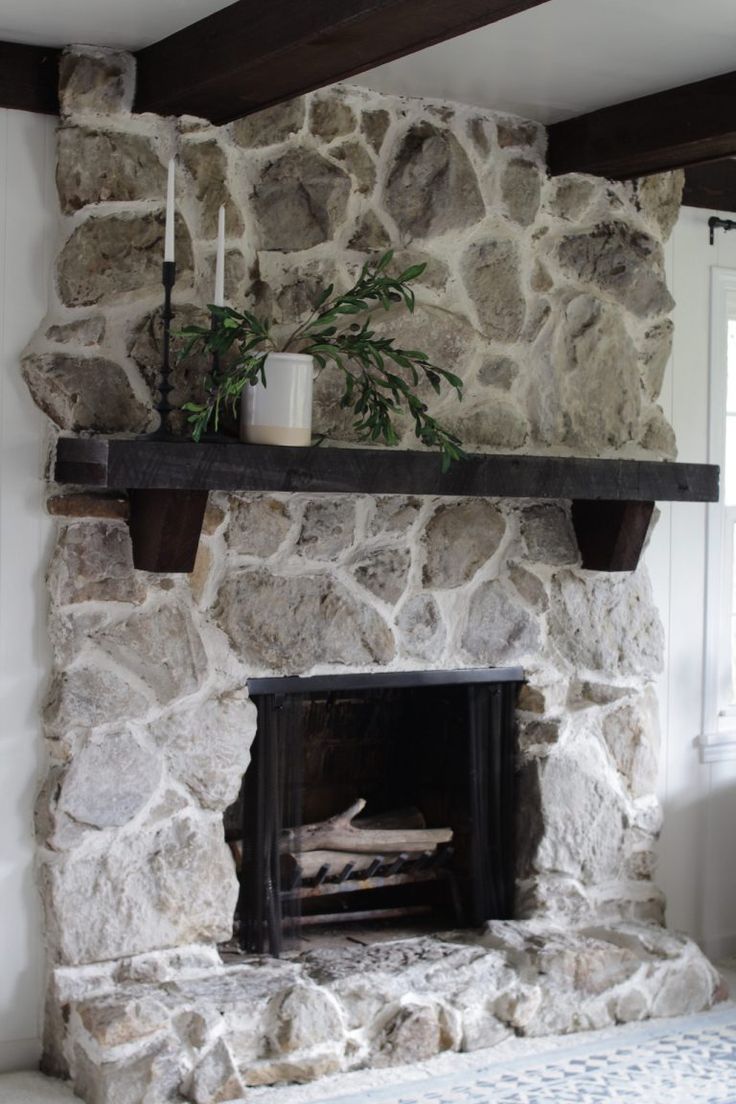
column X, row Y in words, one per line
column 548, row 297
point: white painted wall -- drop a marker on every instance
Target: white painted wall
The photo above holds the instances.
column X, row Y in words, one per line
column 697, row 869
column 27, row 239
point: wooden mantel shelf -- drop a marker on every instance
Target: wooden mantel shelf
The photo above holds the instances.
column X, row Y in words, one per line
column 168, row 484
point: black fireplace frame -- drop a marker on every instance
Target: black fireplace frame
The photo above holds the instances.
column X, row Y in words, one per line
column 491, row 703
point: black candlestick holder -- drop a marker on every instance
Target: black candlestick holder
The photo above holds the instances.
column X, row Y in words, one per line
column 163, row 406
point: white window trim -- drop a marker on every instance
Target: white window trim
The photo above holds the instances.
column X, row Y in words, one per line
column 717, row 741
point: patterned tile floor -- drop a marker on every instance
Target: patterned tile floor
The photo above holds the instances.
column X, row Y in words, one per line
column 690, row 1063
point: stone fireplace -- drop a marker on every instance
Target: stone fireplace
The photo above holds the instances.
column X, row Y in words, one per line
column 548, row 298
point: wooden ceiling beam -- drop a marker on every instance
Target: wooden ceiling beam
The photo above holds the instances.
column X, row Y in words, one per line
column 668, row 130
column 29, row 77
column 249, row 56
column 712, row 186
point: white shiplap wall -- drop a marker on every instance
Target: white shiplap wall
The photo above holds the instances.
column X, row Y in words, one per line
column 27, row 238
column 696, row 869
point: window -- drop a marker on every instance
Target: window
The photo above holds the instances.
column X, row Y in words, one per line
column 719, row 719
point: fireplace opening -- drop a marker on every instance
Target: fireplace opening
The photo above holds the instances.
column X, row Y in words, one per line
column 375, row 801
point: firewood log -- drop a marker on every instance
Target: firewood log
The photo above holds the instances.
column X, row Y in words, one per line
column 340, row 834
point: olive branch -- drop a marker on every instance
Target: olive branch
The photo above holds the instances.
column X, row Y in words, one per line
column 380, row 379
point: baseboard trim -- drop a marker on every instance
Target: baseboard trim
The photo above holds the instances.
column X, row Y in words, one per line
column 20, row 1054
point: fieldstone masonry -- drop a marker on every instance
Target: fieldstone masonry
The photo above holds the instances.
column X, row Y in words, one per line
column 548, row 297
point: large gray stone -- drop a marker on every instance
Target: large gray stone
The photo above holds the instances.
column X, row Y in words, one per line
column 85, row 393
column 274, row 124
column 498, row 629
column 393, row 514
column 548, row 534
column 304, row 1016
column 658, row 435
column 359, row 163
column 370, row 234
column 431, row 186
column 171, row 885
column 422, row 632
column 446, row 339
column 654, row 352
column 82, row 331
column 498, row 371
column 93, row 79
column 216, row 1078
column 607, row 623
column 374, row 125
column 93, row 561
column 291, row 624
column 573, row 819
column 622, row 263
column 289, row 288
column 299, row 201
column 111, row 255
column 530, row 587
column 659, row 198
column 207, row 748
column 97, row 166
column 384, row 572
column 328, row 528
column 631, row 734
column 459, row 538
column 87, row 695
column 330, row 116
column 417, row 1030
column 151, row 1074
column 491, row 273
column 116, row 1020
column 110, row 780
column 258, row 526
column 496, row 423
column 161, row 647
column 521, row 186
column 512, row 131
column 571, row 197
column 207, row 164
column 586, row 392
column 435, row 275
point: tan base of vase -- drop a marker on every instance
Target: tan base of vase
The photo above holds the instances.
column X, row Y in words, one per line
column 276, row 435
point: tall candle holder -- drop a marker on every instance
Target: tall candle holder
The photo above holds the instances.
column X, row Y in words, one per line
column 163, row 406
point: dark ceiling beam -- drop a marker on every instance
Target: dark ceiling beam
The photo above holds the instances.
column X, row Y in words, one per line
column 29, row 78
column 251, row 55
column 712, row 186
column 668, row 130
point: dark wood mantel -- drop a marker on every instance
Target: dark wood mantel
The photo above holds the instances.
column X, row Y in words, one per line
column 168, row 484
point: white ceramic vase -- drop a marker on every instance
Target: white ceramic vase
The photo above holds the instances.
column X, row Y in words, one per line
column 281, row 412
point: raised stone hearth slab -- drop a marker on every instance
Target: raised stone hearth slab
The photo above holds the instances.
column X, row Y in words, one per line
column 183, row 1023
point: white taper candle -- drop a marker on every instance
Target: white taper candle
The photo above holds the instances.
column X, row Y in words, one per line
column 170, row 214
column 219, row 300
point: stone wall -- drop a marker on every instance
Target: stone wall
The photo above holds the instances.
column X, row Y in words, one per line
column 548, row 297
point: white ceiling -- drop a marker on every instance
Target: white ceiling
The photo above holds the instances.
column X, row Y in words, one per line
column 129, row 24
column 567, row 57
column 560, row 59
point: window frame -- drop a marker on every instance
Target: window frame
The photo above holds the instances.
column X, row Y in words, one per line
column 718, row 738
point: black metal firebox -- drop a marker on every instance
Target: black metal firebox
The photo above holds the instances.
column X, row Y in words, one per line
column 411, row 772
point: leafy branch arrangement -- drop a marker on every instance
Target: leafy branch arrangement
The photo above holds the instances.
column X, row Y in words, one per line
column 380, row 379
